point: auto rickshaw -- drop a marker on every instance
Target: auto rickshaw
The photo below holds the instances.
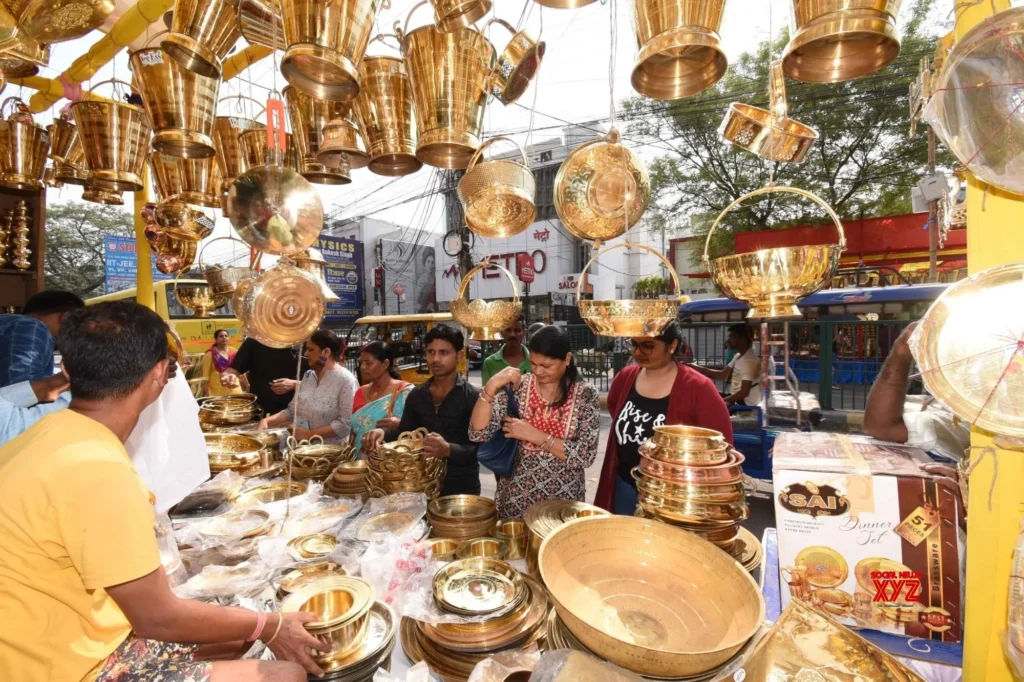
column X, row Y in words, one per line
column 405, row 335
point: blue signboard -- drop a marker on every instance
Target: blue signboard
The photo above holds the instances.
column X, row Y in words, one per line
column 344, row 275
column 120, row 265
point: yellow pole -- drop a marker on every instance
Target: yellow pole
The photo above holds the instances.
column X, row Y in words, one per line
column 237, row 63
column 144, row 270
column 991, row 533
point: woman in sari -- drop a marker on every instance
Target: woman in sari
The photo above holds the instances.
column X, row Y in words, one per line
column 380, row 402
column 215, row 361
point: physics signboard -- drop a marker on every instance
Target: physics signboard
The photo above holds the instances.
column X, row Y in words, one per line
column 344, row 275
column 120, row 266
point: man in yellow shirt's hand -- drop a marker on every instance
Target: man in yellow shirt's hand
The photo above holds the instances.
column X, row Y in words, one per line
column 82, row 593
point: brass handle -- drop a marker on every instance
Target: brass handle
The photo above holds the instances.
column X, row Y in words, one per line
column 112, row 80
column 402, row 33
column 501, row 22
column 671, row 270
column 483, row 266
column 256, row 102
column 150, row 39
column 772, row 189
column 381, row 36
column 777, row 103
column 476, row 155
column 3, row 107
column 199, row 256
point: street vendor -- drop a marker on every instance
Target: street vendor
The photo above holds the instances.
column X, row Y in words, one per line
column 83, row 595
column 657, row 390
column 743, row 373
column 443, row 405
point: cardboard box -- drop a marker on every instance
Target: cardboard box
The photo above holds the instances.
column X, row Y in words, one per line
column 867, row 535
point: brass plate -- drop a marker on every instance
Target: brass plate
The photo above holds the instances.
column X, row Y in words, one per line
column 268, row 492
column 303, row 575
column 335, row 600
column 825, row 566
column 380, row 635
column 238, row 523
column 394, row 523
column 476, row 586
column 313, row 546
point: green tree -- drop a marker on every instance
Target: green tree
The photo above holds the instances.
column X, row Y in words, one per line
column 863, row 164
column 74, row 244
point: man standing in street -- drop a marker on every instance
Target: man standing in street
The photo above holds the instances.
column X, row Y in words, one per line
column 26, row 340
column 511, row 354
column 744, row 370
column 443, row 405
column 271, row 373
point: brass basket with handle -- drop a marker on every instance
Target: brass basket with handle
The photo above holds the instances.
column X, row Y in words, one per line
column 482, row 319
column 224, row 279
column 629, row 318
column 198, row 299
column 771, row 281
column 498, row 195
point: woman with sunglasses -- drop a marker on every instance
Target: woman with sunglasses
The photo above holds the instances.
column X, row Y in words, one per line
column 655, row 391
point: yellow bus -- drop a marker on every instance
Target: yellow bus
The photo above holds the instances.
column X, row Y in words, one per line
column 196, row 332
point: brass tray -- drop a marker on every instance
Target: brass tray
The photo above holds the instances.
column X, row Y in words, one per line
column 268, row 492
column 477, row 586
column 316, row 546
column 825, row 566
column 238, row 523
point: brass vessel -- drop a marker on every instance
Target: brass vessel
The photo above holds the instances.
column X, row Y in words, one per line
column 63, row 136
column 482, row 319
column 282, row 307
column 342, row 141
column 451, row 15
column 254, row 153
column 312, row 262
column 202, row 302
column 202, row 33
column 115, row 136
column 192, row 181
column 309, row 116
column 498, row 195
column 226, row 130
column 23, row 149
column 261, row 24
column 24, row 59
column 57, row 21
column 99, row 196
column 387, row 116
column 680, row 49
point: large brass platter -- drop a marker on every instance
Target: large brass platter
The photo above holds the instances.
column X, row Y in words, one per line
column 825, row 566
column 238, row 523
column 269, row 492
column 476, row 586
column 275, row 210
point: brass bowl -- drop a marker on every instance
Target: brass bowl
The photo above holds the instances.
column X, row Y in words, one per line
column 729, row 471
column 237, row 523
column 516, row 536
column 687, row 492
column 231, row 450
column 697, row 458
column 374, row 650
column 649, row 598
column 461, row 508
column 484, row 548
column 342, row 605
column 268, row 492
column 677, row 509
column 444, row 549
column 477, row 586
column 687, row 438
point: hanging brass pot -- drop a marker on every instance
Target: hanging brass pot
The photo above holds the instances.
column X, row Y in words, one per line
column 202, row 33
column 24, row 59
column 326, row 42
column 680, row 50
column 23, row 148
column 387, row 117
column 197, row 298
column 601, row 189
column 50, row 178
column 253, row 144
column 312, row 262
column 73, row 170
column 283, row 306
column 63, row 135
column 498, row 195
column 181, row 104
column 261, row 23
column 103, row 197
column 517, row 64
column 309, row 116
column 226, row 130
column 8, row 31
column 56, row 21
column 482, row 319
column 192, row 181
column 840, row 40
column 180, row 220
column 116, row 138
column 343, row 139
column 564, row 4
column 451, row 76
column 451, row 15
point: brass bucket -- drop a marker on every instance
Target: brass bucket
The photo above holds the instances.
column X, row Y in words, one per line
column 73, row 170
column 482, row 319
column 261, row 23
column 56, row 21
column 116, row 138
column 181, row 104
column 202, row 33
column 23, row 149
column 50, row 178
column 771, row 281
column 226, row 130
column 680, row 50
column 451, row 15
column 517, row 64
column 312, row 262
column 99, row 196
column 24, row 59
column 342, row 138
column 63, row 135
column 253, row 143
column 309, row 116
column 387, row 116
column 451, row 76
column 498, row 195
column 840, row 40
column 192, row 181
column 326, row 41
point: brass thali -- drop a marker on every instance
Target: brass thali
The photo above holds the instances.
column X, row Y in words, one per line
column 478, row 586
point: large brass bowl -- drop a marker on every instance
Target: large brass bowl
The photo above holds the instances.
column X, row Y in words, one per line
column 648, row 597
column 484, row 320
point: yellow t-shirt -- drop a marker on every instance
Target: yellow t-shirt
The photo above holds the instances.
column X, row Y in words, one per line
column 74, row 518
column 213, row 385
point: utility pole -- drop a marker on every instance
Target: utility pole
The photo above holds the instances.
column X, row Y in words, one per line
column 933, row 216
column 456, row 218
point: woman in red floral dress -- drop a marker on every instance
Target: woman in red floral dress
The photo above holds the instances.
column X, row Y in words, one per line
column 557, row 432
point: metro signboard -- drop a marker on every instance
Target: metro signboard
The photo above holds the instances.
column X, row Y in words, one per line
column 524, row 267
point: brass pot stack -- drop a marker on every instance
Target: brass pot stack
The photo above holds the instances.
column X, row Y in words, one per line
column 348, row 480
column 544, row 517
column 399, row 467
column 511, row 609
column 691, row 478
column 462, row 517
column 314, row 459
column 14, row 239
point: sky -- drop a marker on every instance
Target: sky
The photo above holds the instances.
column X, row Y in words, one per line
column 572, row 85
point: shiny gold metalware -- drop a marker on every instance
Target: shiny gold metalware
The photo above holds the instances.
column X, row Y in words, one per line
column 226, row 131
column 649, row 598
column 462, row 507
column 254, row 152
column 825, row 566
column 388, row 523
column 680, row 49
column 444, row 549
column 309, row 116
column 516, row 536
column 746, row 126
column 343, row 142
column 181, row 104
column 316, row 546
column 115, row 136
column 231, row 451
column 343, row 605
column 451, row 75
column 725, row 493
column 283, row 306
column 98, row 196
column 771, row 281
column 73, row 169
column 601, row 189
column 666, row 502
column 63, row 136
column 373, row 653
column 326, row 41
column 50, row 178
column 261, row 24
column 178, row 219
column 840, row 40
column 484, row 548
column 199, row 299
column 312, row 262
column 387, row 117
column 223, row 279
column 729, row 471
column 236, row 524
column 451, row 15
column 630, row 318
column 483, row 319
column 57, row 21
column 498, row 195
column 23, row 150
column 305, row 574
column 689, row 440
column 275, row 210
column 268, row 492
column 24, row 59
column 517, row 64
column 477, row 586
column 194, row 181
column 202, row 34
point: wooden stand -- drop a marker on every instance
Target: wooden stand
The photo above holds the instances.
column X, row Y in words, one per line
column 17, row 286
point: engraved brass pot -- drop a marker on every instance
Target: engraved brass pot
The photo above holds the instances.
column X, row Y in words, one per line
column 23, row 149
column 498, row 195
column 115, row 136
column 56, row 21
column 202, row 33
column 484, row 320
column 387, row 116
column 680, row 50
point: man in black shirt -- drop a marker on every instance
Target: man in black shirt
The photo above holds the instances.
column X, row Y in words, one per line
column 443, row 405
column 271, row 373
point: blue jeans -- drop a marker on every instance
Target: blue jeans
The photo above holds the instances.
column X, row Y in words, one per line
column 625, row 497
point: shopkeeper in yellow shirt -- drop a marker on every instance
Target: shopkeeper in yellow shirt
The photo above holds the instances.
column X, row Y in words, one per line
column 82, row 593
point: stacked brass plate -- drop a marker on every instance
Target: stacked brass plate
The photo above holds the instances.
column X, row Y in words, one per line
column 374, row 652
column 315, row 460
column 542, row 518
column 115, row 136
column 498, row 195
column 202, row 33
column 517, row 64
column 254, row 153
column 23, row 147
column 451, row 75
column 478, row 586
column 348, row 480
column 342, row 140
column 515, row 535
column 56, row 21
column 228, row 410
column 312, row 262
column 304, row 574
column 283, row 306
column 630, row 317
column 451, row 15
column 232, row 451
column 197, row 181
column 309, row 116
column 326, row 41
column 454, row 649
column 269, row 492
column 601, row 189
column 462, row 517
column 24, row 59
column 236, row 524
column 840, row 40
column 771, row 281
column 260, row 23
column 73, row 170
column 691, row 607
column 342, row 605
column 484, row 548
column 399, row 467
column 181, row 104
column 63, row 136
column 387, row 117
column 484, row 319
column 680, row 50
column 316, row 546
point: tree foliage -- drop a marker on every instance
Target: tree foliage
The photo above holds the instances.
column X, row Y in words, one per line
column 74, row 244
column 863, row 164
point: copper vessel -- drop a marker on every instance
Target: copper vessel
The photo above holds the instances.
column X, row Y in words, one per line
column 116, row 138
column 309, row 116
column 23, row 150
column 387, row 117
column 202, row 33
column 680, row 50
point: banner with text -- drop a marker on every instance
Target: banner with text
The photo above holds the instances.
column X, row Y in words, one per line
column 344, row 275
column 120, row 264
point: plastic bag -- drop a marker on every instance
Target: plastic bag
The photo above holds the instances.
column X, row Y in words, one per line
column 390, row 566
column 170, row 558
column 498, row 667
column 420, row 672
column 571, row 666
column 247, row 579
column 321, row 515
